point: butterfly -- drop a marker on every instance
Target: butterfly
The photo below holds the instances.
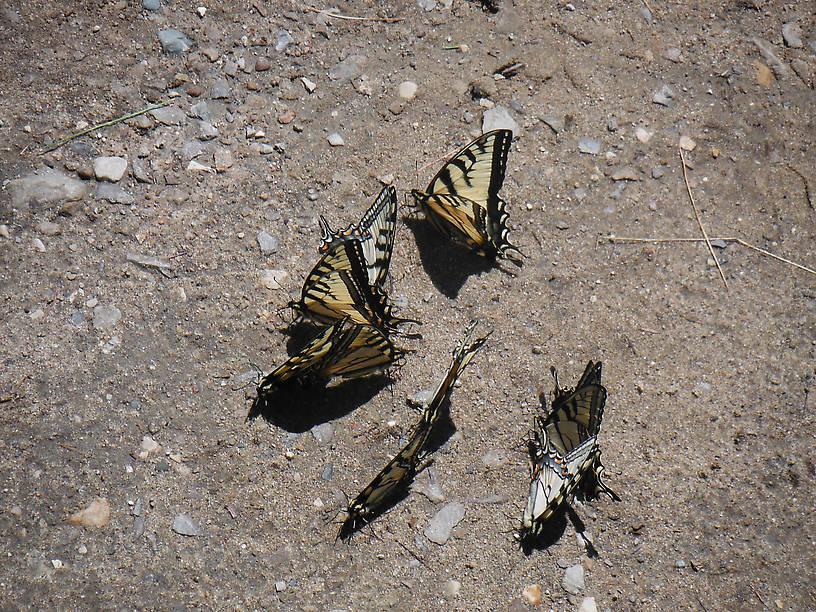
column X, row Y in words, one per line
column 345, row 349
column 376, row 231
column 565, row 449
column 395, row 477
column 462, row 201
column 338, row 286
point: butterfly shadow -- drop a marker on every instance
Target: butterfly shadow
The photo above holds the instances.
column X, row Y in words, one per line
column 298, row 409
column 549, row 534
column 447, row 263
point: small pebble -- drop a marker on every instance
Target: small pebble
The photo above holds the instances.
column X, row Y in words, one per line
column 185, row 525
column 4, row 231
column 286, row 117
column 284, row 39
column 627, row 173
column 207, row 131
column 262, row 64
column 106, row 316
column 267, row 242
column 498, row 118
column 149, row 445
column 643, row 135
column 407, row 90
column 220, row 89
column 272, row 279
column 151, row 5
column 327, row 473
column 168, row 115
column 223, row 160
column 440, row 526
column 308, row 84
column 792, row 34
column 573, row 581
column 673, row 54
column 280, row 585
column 680, row 563
column 37, row 315
column 556, row 124
column 664, row 95
column 56, row 563
column 109, row 168
column 97, row 514
column 493, row 458
column 452, row 588
column 111, row 345
column 349, row 68
column 114, row 194
column 532, row 594
column 588, row 605
column 323, row 433
column 646, row 14
column 658, row 172
column 589, row 145
column 687, row 143
column 335, row 140
column 173, row 41
column 48, row 228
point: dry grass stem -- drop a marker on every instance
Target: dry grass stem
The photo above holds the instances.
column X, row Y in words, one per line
column 699, row 220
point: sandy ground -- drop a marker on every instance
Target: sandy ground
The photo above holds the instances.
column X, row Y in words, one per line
column 708, row 434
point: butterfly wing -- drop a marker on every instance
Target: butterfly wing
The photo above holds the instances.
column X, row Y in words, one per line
column 576, row 413
column 462, row 200
column 338, row 287
column 554, row 480
column 376, row 230
column 362, row 351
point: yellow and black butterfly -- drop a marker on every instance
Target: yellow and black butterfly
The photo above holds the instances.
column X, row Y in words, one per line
column 345, row 349
column 338, row 287
column 462, row 200
column 565, row 449
column 376, row 231
column 395, row 477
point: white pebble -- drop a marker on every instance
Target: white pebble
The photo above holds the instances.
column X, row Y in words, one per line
column 407, row 90
column 336, row 140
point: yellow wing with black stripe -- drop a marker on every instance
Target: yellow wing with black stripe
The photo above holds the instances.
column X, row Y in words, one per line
column 375, row 231
column 345, row 349
column 338, row 287
column 395, row 477
column 462, row 201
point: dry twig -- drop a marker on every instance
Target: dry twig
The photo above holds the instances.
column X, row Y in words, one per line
column 699, row 221
column 731, row 239
column 88, row 130
column 332, row 15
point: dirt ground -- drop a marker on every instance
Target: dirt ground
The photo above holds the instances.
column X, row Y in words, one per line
column 708, row 435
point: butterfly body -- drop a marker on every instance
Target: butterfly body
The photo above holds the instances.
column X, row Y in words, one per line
column 565, row 450
column 344, row 349
column 395, row 477
column 462, row 201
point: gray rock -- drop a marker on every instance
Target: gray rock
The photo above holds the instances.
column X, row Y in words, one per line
column 792, row 34
column 646, row 14
column 168, row 115
column 588, row 605
column 556, row 124
column 173, row 41
column 184, row 525
column 45, row 186
column 573, row 581
column 139, row 168
column 348, row 69
column 493, row 458
column 421, row 398
column 680, row 564
column 658, row 172
column 426, row 5
column 220, row 89
column 433, row 490
column 109, row 168
column 48, row 228
column 191, row 149
column 106, row 316
column 267, row 242
column 813, row 45
column 207, row 131
column 323, row 433
column 284, row 39
column 327, row 473
column 151, row 5
column 77, row 318
column 589, row 145
column 201, row 110
column 113, row 194
column 335, row 139
column 440, row 526
column 664, row 95
column 498, row 118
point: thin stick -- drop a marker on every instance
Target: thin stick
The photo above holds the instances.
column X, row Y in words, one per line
column 350, row 18
column 699, row 221
column 438, row 159
column 88, row 130
column 734, row 239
